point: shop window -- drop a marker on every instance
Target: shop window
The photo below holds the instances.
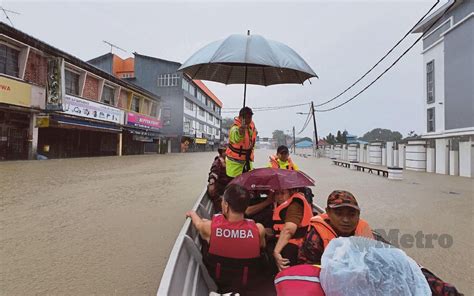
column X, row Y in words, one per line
column 108, row 94
column 431, row 120
column 135, row 104
column 72, row 83
column 9, row 60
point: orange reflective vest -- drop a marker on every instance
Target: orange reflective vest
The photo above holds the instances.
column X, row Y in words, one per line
column 274, row 163
column 279, row 221
column 239, row 151
column 327, row 233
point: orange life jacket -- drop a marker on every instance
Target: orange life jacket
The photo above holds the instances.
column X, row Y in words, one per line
column 327, row 233
column 239, row 151
column 276, row 165
column 279, row 222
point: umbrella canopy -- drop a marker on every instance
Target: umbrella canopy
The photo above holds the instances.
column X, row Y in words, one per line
column 248, row 59
column 273, row 179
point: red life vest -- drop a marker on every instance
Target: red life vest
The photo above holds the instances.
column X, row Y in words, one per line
column 239, row 240
column 279, row 221
column 276, row 165
column 234, row 253
column 238, row 151
column 301, row 280
column 327, row 233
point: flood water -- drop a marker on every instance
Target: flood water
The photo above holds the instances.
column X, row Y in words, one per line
column 106, row 225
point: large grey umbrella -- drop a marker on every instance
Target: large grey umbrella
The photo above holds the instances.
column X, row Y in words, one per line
column 248, row 59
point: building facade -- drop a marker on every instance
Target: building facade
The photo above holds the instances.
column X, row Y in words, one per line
column 448, row 62
column 54, row 105
column 191, row 113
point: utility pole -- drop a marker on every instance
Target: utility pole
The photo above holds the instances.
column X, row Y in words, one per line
column 315, row 129
column 294, row 141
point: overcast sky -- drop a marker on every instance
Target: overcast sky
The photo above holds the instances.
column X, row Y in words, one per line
column 340, row 40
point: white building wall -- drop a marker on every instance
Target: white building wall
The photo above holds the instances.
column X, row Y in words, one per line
column 442, row 156
column 466, row 159
column 454, row 163
column 435, row 53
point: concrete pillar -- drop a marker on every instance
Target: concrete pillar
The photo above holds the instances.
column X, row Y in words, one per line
column 395, row 158
column 466, row 159
column 169, row 145
column 454, row 163
column 359, row 159
column 32, row 137
column 430, row 160
column 367, row 154
column 401, row 155
column 442, row 156
column 384, row 156
column 389, row 151
column 119, row 144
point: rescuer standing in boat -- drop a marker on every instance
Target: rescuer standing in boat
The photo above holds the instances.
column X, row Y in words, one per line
column 242, row 138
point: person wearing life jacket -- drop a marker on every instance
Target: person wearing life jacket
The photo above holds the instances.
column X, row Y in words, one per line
column 301, row 280
column 233, row 257
column 242, row 138
column 282, row 160
column 218, row 179
column 341, row 219
column 291, row 218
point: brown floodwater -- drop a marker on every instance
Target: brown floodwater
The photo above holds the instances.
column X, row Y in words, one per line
column 106, row 225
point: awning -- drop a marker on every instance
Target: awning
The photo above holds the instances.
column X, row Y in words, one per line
column 68, row 122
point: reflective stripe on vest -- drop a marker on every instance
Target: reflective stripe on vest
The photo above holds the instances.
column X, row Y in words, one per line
column 313, row 279
column 276, row 165
column 301, row 280
column 327, row 233
column 239, row 151
column 279, row 223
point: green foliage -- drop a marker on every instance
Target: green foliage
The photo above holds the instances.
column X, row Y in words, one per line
column 380, row 134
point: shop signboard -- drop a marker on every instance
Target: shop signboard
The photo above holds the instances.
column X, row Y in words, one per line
column 142, row 121
column 92, row 110
column 54, row 87
column 201, row 141
column 42, row 121
column 15, row 92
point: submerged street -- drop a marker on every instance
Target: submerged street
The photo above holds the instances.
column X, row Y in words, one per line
column 106, row 225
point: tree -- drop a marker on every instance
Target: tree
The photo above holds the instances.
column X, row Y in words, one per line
column 340, row 138
column 227, row 123
column 279, row 137
column 330, row 139
column 380, row 134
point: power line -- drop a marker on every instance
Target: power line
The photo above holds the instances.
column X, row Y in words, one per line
column 308, row 119
column 391, row 66
column 380, row 60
